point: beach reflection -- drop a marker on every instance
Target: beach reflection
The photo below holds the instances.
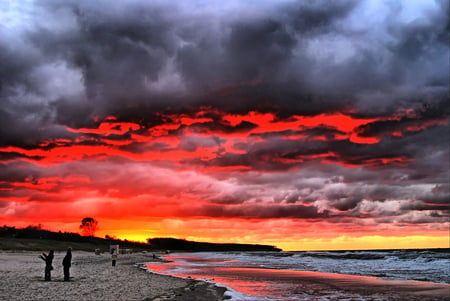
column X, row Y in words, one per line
column 246, row 283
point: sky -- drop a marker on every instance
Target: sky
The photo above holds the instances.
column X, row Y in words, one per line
column 308, row 125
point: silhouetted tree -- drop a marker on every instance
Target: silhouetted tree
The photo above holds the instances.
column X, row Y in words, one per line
column 88, row 226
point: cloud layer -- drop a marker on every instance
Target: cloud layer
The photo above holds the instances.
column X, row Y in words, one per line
column 326, row 112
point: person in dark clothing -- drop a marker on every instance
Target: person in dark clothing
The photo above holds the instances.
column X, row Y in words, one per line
column 114, row 258
column 48, row 264
column 67, row 262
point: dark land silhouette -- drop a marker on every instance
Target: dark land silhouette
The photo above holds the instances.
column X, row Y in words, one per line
column 35, row 238
column 186, row 245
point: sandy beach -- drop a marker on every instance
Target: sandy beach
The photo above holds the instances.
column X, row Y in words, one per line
column 22, row 278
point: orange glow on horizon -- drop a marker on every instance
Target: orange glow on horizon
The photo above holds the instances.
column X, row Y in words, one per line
column 319, row 244
column 329, row 244
column 287, row 240
column 338, row 243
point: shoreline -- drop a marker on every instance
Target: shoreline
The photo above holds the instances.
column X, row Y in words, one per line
column 199, row 290
column 94, row 278
column 251, row 283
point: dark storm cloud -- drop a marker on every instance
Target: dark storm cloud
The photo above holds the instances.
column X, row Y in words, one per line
column 219, row 127
column 421, row 206
column 410, row 122
column 277, row 154
column 261, row 211
column 18, row 172
column 272, row 154
column 327, row 132
column 292, row 57
column 237, row 197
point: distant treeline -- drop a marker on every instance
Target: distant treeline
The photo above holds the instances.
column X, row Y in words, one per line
column 154, row 244
column 185, row 245
column 35, row 232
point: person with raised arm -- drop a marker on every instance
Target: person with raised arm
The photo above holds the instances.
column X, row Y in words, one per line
column 48, row 264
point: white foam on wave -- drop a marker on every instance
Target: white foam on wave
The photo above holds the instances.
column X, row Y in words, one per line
column 412, row 265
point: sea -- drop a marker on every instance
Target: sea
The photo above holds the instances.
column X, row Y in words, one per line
column 276, row 275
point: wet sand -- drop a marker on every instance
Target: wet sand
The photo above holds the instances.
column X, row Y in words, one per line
column 22, row 278
column 328, row 286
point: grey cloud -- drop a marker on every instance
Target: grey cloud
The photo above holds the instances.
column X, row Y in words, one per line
column 18, row 172
column 419, row 206
column 261, row 211
column 438, row 111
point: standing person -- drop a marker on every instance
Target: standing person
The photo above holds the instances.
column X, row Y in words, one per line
column 114, row 258
column 67, row 262
column 48, row 264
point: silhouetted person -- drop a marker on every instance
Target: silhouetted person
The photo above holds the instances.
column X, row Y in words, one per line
column 48, row 264
column 114, row 258
column 67, row 262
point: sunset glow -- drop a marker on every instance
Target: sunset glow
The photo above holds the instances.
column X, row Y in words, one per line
column 227, row 123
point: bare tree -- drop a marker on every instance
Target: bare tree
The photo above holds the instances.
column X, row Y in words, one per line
column 88, row 226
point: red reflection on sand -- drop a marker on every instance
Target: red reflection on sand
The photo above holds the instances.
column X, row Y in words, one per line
column 248, row 287
column 159, row 268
